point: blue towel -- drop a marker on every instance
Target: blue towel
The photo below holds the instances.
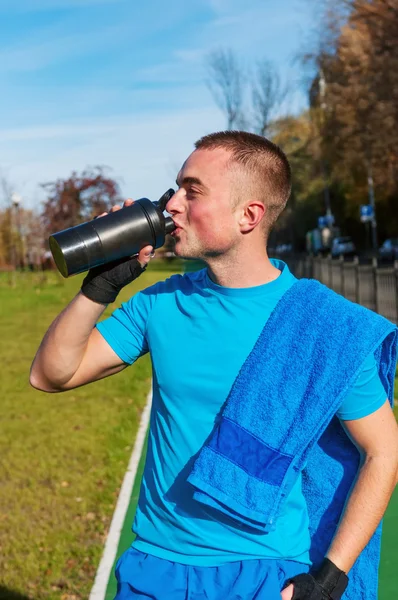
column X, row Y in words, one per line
column 279, row 420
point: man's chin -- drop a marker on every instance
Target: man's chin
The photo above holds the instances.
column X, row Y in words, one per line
column 182, row 252
column 186, row 255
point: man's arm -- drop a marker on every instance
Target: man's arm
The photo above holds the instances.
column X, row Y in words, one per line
column 376, row 437
column 73, row 352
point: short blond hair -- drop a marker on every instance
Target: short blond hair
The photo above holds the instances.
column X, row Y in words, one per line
column 264, row 166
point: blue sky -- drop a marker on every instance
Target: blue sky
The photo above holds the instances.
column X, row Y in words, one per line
column 122, row 83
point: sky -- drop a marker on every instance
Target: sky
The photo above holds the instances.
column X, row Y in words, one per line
column 122, row 83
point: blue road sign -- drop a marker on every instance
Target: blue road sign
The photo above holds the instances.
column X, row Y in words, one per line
column 325, row 221
column 366, row 212
column 329, row 220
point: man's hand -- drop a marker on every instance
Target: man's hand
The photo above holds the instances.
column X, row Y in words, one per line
column 102, row 284
column 327, row 582
column 146, row 253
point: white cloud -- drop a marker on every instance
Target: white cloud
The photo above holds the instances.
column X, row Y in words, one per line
column 46, row 132
column 72, row 104
column 191, row 55
column 144, row 153
column 223, row 6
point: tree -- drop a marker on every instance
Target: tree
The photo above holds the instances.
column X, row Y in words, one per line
column 359, row 111
column 21, row 237
column 79, row 198
column 299, row 139
column 226, row 83
column 10, row 240
column 268, row 94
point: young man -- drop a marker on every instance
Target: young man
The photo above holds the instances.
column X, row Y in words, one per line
column 199, row 329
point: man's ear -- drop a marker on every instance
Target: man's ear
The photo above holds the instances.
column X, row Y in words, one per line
column 251, row 215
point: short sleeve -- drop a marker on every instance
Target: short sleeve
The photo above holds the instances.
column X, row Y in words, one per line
column 125, row 329
column 367, row 394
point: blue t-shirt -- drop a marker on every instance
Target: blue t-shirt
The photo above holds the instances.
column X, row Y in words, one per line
column 199, row 334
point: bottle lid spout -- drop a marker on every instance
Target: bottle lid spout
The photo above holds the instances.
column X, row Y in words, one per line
column 163, row 200
column 169, row 225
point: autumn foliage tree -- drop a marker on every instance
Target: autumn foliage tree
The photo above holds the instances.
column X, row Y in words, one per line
column 79, row 198
column 21, row 230
column 359, row 104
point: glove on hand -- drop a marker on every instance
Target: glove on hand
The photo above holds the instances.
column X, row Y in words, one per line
column 328, row 583
column 102, row 284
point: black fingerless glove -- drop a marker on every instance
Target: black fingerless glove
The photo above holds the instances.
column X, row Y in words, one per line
column 327, row 583
column 102, row 284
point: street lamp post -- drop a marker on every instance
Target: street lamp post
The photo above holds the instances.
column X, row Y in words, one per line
column 323, row 104
column 371, row 196
column 18, row 247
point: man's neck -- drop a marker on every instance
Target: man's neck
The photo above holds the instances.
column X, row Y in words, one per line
column 241, row 271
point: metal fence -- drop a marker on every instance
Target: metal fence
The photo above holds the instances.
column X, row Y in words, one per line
column 369, row 285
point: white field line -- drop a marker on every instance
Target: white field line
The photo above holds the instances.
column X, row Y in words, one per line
column 112, row 541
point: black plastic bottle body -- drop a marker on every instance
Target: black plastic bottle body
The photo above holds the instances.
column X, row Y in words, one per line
column 116, row 235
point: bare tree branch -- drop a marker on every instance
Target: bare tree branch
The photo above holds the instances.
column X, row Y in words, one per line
column 6, row 188
column 267, row 96
column 226, row 82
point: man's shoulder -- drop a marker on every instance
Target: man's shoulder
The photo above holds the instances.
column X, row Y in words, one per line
column 324, row 306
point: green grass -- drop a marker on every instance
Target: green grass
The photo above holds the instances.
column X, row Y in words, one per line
column 388, row 580
column 62, row 456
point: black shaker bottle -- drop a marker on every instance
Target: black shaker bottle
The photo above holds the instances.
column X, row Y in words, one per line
column 116, row 235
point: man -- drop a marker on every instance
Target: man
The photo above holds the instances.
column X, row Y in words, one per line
column 199, row 328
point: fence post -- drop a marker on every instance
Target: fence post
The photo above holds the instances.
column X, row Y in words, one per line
column 374, row 269
column 396, row 288
column 356, row 275
column 310, row 274
column 330, row 273
column 341, row 258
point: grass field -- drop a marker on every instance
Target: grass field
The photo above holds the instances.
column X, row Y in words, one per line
column 63, row 456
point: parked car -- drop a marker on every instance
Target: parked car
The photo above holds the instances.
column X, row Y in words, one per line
column 283, row 248
column 342, row 246
column 389, row 249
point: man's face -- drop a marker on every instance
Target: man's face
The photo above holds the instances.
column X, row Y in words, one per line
column 202, row 208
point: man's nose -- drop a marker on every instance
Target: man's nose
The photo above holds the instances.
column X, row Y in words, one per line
column 174, row 205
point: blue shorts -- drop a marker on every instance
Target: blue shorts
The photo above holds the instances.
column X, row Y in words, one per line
column 141, row 575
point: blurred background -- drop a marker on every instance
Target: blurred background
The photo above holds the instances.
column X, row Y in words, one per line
column 103, row 100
